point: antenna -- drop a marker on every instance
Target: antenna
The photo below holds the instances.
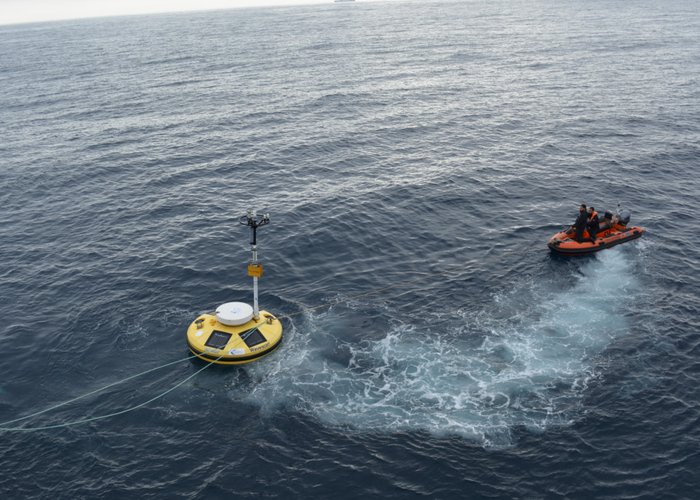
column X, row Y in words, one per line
column 255, row 270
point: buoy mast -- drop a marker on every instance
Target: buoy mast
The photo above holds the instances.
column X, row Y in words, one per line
column 255, row 269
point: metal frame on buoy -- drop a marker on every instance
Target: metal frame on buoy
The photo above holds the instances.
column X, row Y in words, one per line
column 255, row 268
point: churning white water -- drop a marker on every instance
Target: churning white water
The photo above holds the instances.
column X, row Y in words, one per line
column 525, row 360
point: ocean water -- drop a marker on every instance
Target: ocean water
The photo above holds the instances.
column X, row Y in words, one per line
column 415, row 157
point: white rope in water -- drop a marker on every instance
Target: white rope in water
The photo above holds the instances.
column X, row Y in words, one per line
column 109, row 415
column 96, row 391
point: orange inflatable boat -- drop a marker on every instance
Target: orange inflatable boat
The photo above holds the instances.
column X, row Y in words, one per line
column 613, row 231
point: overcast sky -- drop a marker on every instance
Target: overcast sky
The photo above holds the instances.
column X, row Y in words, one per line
column 21, row 11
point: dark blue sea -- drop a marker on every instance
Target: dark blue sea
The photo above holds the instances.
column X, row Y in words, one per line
column 414, row 157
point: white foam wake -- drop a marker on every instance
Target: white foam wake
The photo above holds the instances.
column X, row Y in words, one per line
column 525, row 361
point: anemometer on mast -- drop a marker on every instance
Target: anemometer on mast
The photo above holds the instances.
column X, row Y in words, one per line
column 255, row 268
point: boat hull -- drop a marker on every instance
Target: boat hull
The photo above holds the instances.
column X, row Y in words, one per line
column 564, row 243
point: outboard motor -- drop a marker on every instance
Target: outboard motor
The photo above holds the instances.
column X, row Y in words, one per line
column 624, row 216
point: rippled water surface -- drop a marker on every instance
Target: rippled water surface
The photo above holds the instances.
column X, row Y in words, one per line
column 415, row 157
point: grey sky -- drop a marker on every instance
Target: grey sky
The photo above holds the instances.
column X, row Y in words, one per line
column 20, row 11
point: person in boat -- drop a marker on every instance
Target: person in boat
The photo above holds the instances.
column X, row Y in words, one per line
column 593, row 223
column 581, row 223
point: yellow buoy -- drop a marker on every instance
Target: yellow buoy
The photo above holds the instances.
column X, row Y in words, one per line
column 214, row 341
column 237, row 333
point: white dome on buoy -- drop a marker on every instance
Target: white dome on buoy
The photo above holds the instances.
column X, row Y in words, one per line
column 234, row 313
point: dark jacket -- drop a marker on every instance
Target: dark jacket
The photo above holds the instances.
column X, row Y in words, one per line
column 580, row 225
column 593, row 225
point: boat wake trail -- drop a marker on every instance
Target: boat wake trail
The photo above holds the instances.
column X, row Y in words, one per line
column 524, row 361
